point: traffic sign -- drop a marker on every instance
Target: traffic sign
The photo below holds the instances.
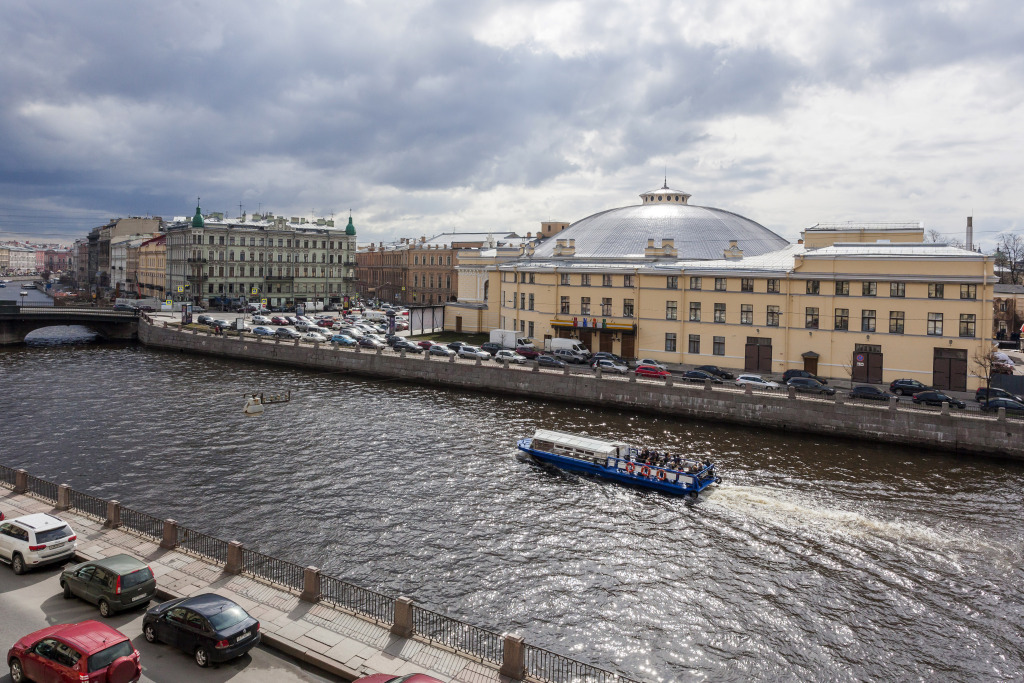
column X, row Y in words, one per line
column 169, row 302
column 254, row 291
column 263, row 302
column 180, row 289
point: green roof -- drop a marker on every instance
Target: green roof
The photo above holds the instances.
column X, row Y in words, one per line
column 350, row 229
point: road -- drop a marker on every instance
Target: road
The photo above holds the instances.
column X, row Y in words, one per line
column 33, row 601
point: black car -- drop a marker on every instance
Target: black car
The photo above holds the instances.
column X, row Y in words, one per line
column 1012, row 407
column 209, row 627
column 700, row 376
column 491, row 347
column 871, row 394
column 716, row 371
column 456, row 345
column 124, row 307
column 809, row 385
column 406, row 346
column 607, row 355
column 937, row 398
column 549, row 362
column 982, row 395
column 902, row 387
column 790, row 374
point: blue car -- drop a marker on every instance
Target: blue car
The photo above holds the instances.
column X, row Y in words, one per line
column 208, row 627
column 343, row 340
column 261, row 330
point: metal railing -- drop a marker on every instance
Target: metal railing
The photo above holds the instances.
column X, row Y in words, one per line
column 142, row 522
column 7, row 475
column 90, row 505
column 360, row 600
column 556, row 668
column 44, row 489
column 458, row 634
column 271, row 569
column 201, row 544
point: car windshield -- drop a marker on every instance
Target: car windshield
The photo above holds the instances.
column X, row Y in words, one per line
column 103, row 658
column 229, row 617
column 53, row 534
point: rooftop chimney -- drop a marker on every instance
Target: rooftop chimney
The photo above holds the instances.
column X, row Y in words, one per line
column 970, row 233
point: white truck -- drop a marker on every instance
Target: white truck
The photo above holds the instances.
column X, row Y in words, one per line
column 510, row 339
column 573, row 345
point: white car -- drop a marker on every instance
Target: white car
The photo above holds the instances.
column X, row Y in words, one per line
column 314, row 337
column 606, row 365
column 36, row 540
column 756, row 381
column 306, row 326
column 510, row 356
column 473, row 353
column 261, row 320
column 648, row 361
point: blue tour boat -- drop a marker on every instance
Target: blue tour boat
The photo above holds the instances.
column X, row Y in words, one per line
column 619, row 462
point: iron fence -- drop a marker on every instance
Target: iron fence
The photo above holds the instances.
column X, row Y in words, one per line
column 141, row 522
column 90, row 505
column 7, row 475
column 556, row 668
column 46, row 490
column 201, row 544
column 458, row 634
column 360, row 600
column 272, row 569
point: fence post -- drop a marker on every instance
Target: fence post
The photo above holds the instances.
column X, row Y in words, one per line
column 707, row 385
column 310, row 585
column 748, row 388
column 632, row 376
column 63, row 497
column 792, row 391
column 597, row 373
column 113, row 514
column 892, row 404
column 839, row 399
column 234, row 563
column 403, row 618
column 668, row 380
column 170, row 538
column 1001, row 415
column 513, row 660
column 536, row 366
column 945, row 408
column 20, row 481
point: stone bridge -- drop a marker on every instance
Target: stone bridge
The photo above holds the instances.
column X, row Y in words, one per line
column 16, row 322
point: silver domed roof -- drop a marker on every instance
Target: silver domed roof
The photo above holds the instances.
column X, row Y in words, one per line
column 698, row 232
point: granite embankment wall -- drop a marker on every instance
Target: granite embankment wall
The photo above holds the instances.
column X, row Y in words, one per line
column 944, row 431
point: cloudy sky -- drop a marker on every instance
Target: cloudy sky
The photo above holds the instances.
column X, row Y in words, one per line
column 423, row 117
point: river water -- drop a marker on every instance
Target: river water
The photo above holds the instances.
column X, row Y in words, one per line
column 816, row 559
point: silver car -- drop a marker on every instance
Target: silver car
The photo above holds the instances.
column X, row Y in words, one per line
column 473, row 353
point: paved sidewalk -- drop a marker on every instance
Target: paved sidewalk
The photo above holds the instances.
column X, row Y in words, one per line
column 320, row 634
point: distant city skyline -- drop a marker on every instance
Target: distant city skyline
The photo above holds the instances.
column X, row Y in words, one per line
column 437, row 117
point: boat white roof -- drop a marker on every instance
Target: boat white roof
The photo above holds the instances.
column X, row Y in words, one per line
column 576, row 441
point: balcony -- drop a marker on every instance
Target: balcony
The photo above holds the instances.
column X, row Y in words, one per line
column 349, row 278
column 280, row 278
column 195, row 260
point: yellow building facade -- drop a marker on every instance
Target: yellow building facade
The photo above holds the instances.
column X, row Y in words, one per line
column 691, row 285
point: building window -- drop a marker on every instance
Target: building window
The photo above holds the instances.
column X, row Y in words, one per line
column 627, row 280
column 585, row 280
column 585, row 305
column 869, row 288
column 531, row 302
column 842, row 289
column 672, row 282
column 718, row 346
column 606, row 307
column 694, row 311
column 721, row 284
column 695, row 283
column 522, row 300
column 773, row 316
column 694, row 343
column 867, row 321
column 936, row 291
column 627, row 308
column 564, row 307
column 670, row 310
column 670, row 341
column 967, row 324
column 565, row 278
column 746, row 314
column 813, row 286
column 842, row 318
column 811, row 318
column 747, row 284
column 773, row 286
column 968, row 292
column 935, row 324
column 719, row 313
column 897, row 289
column 533, row 276
column 606, row 280
column 530, row 333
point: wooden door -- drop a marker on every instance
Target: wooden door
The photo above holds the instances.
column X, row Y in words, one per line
column 875, row 368
column 811, row 365
column 764, row 358
column 605, row 341
column 628, row 346
column 750, row 358
column 458, row 323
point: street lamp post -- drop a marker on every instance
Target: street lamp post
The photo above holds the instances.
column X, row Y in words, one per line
column 23, row 294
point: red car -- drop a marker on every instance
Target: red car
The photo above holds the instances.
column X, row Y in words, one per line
column 325, row 322
column 527, row 352
column 278, row 320
column 391, row 678
column 651, row 371
column 426, row 344
column 89, row 651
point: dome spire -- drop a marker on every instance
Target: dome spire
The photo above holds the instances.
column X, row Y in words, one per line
column 350, row 229
column 197, row 220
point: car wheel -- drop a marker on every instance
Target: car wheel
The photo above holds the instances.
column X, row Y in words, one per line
column 150, row 633
column 202, row 657
column 18, row 564
column 899, row 392
column 17, row 675
column 67, row 590
column 105, row 609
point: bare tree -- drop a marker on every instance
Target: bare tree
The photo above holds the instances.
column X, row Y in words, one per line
column 1010, row 259
column 934, row 235
column 987, row 364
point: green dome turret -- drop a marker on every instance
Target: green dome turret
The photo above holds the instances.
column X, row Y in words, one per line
column 197, row 220
column 350, row 229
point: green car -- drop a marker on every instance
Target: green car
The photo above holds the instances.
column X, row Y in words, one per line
column 114, row 583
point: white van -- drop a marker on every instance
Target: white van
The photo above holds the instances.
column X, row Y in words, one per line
column 573, row 345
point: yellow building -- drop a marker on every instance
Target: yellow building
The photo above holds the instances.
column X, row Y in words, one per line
column 694, row 285
column 153, row 268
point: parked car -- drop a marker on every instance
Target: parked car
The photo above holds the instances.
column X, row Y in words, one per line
column 204, row 320
column 569, row 356
column 871, row 394
column 549, row 362
column 124, row 307
column 425, row 344
column 279, row 320
column 286, row 333
column 651, row 371
column 809, row 385
column 756, row 381
column 1012, row 407
column 716, row 371
column 305, row 326
column 261, row 320
column 146, row 308
column 700, row 376
column 607, row 355
column 527, row 352
column 88, row 651
column 113, row 583
column 291, row 319
column 790, row 374
column 263, row 331
column 510, row 356
column 343, row 340
column 473, row 353
column 937, row 398
column 438, row 350
column 314, row 337
column 655, row 363
column 983, row 394
column 456, row 345
column 606, row 365
column 408, row 347
column 325, row 322
column 370, row 343
column 401, row 325
column 36, row 540
column 209, row 627
column 902, row 387
column 392, row 678
column 222, row 324
column 491, row 347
